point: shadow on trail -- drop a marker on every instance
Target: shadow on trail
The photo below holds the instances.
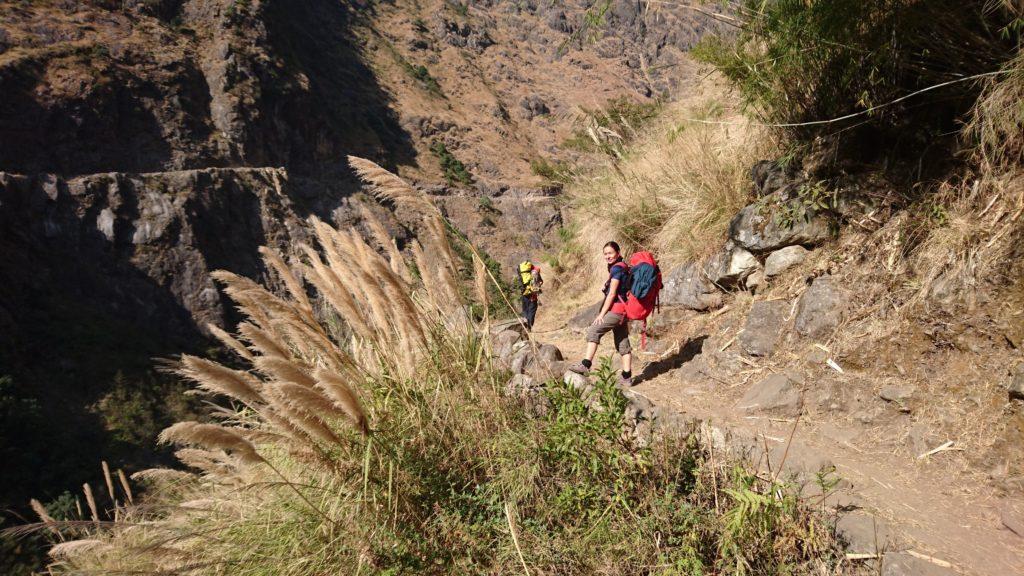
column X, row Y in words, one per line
column 684, row 355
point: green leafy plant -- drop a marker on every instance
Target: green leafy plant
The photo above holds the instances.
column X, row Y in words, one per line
column 555, row 171
column 453, row 170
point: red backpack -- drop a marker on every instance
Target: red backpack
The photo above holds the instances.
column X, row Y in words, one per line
column 644, row 286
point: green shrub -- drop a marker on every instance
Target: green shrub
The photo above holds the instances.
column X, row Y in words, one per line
column 454, row 170
column 555, row 171
column 795, row 61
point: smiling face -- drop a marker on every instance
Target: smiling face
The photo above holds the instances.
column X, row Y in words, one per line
column 610, row 255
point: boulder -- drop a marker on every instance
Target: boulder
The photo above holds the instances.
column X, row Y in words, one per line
column 768, row 176
column 783, row 259
column 549, row 353
column 758, row 229
column 503, row 342
column 581, row 321
column 523, row 360
column 577, row 381
column 1016, row 388
column 904, row 564
column 533, row 106
column 896, row 393
column 821, row 308
column 863, row 533
column 776, row 393
column 765, row 323
column 687, row 286
column 756, row 282
column 730, row 267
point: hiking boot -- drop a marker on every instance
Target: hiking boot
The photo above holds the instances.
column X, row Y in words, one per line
column 625, row 382
column 579, row 368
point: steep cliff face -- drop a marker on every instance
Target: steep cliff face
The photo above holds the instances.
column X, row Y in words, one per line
column 211, row 83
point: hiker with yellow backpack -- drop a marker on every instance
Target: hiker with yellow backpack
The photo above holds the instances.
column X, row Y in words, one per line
column 530, row 283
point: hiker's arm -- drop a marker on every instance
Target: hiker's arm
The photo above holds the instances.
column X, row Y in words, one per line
column 613, row 289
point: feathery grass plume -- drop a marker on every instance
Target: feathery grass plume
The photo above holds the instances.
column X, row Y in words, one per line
column 480, row 283
column 284, row 371
column 331, row 288
column 310, row 424
column 309, row 400
column 229, row 341
column 109, row 481
column 44, row 516
column 395, row 259
column 344, row 397
column 211, row 436
column 437, row 241
column 388, row 186
column 295, row 288
column 428, row 275
column 161, row 475
column 70, row 550
column 209, row 461
column 219, row 379
column 125, row 486
column 91, row 501
column 263, row 342
column 298, row 437
column 367, row 285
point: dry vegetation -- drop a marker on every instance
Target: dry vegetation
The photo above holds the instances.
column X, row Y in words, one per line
column 367, row 434
column 673, row 191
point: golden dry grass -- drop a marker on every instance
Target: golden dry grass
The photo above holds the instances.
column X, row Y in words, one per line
column 675, row 189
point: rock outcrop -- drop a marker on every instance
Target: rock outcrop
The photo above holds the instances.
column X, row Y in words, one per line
column 821, row 308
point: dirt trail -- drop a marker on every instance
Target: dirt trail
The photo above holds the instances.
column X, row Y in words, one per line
column 932, row 507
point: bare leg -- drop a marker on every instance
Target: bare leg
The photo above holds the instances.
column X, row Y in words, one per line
column 627, row 362
column 591, row 351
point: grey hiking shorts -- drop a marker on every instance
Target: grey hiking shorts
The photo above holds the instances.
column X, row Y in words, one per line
column 618, row 328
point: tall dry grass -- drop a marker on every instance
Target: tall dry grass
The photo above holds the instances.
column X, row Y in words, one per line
column 675, row 189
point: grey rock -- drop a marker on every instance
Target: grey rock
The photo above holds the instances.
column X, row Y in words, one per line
column 583, row 318
column 756, row 282
column 688, row 287
column 783, row 259
column 520, row 384
column 523, row 360
column 903, row 564
column 503, row 343
column 776, row 393
column 577, row 381
column 533, row 106
column 765, row 324
column 556, row 20
column 768, row 177
column 549, row 353
column 730, row 267
column 756, row 229
column 863, row 533
column 821, row 308
column 896, row 393
column 1016, row 387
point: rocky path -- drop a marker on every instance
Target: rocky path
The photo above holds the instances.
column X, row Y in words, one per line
column 906, row 516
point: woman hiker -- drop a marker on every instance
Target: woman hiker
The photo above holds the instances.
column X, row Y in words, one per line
column 611, row 317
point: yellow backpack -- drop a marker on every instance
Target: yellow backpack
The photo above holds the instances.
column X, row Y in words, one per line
column 526, row 278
